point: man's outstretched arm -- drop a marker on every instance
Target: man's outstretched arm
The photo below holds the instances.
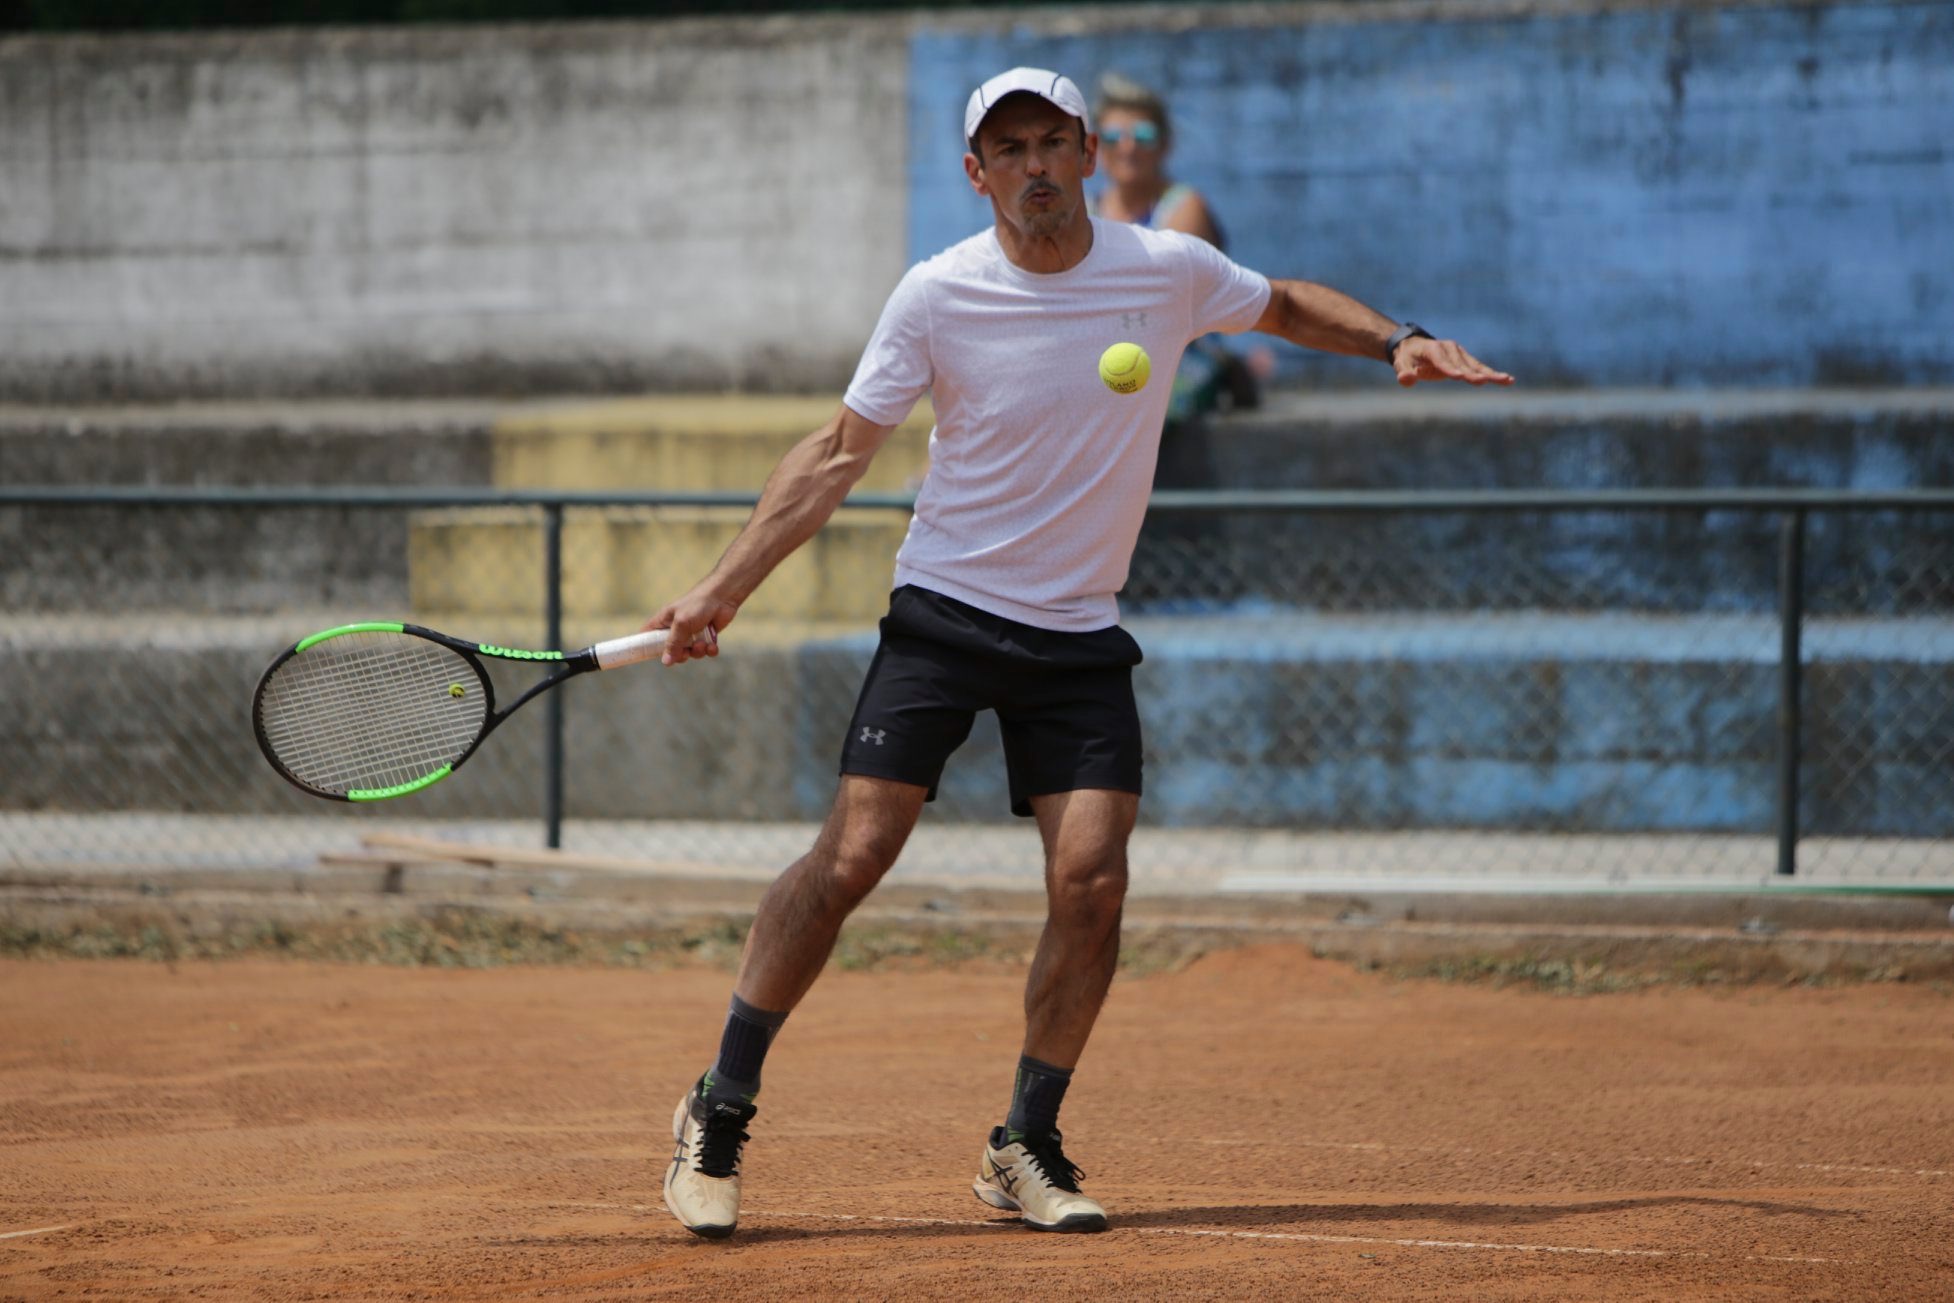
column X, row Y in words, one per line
column 800, row 495
column 1319, row 317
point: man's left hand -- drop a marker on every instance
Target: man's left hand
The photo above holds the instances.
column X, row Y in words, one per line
column 1419, row 358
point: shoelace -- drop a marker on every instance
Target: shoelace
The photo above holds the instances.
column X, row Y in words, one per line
column 722, row 1134
column 1051, row 1161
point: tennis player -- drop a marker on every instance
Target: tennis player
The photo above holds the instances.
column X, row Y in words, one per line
column 1003, row 600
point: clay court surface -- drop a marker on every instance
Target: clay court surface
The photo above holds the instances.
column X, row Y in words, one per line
column 1261, row 1123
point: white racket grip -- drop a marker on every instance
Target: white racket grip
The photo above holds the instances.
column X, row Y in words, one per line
column 629, row 650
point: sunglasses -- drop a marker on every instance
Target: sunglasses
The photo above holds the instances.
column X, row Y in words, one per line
column 1145, row 134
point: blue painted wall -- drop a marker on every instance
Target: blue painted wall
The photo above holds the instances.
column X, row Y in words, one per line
column 1600, row 725
column 1693, row 196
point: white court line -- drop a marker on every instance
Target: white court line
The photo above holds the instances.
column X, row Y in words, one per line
column 1309, row 1238
column 1326, row 1144
column 1298, row 1236
column 1800, row 1167
column 1378, row 1147
column 39, row 1230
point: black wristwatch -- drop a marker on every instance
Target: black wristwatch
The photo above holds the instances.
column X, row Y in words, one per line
column 1409, row 330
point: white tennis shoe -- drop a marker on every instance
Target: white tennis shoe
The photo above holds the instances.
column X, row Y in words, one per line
column 1031, row 1176
column 702, row 1186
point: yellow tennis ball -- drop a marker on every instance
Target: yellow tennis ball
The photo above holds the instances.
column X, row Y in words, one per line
column 1125, row 368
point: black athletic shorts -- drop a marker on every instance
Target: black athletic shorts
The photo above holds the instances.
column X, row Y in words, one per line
column 1064, row 701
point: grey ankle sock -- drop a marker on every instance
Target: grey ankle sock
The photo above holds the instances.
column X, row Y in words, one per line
column 742, row 1049
column 1035, row 1097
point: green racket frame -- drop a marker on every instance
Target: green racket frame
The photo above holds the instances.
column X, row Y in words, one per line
column 604, row 655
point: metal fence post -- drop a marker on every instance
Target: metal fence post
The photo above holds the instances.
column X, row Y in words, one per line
column 1791, row 619
column 553, row 701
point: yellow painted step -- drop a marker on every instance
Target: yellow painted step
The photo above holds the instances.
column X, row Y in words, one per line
column 685, row 442
column 623, row 563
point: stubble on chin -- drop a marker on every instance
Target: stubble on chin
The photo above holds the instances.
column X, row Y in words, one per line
column 1044, row 225
column 1048, row 221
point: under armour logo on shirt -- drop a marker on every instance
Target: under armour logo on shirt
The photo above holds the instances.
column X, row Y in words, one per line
column 1132, row 320
column 874, row 735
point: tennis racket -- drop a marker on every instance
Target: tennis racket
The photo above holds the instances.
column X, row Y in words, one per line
column 365, row 712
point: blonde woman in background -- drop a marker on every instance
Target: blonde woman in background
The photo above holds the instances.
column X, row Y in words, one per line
column 1135, row 135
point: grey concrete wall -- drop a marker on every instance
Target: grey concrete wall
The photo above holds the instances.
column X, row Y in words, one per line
column 447, row 210
column 1591, row 191
column 1595, row 192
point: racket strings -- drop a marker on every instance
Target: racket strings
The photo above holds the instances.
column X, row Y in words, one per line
column 371, row 710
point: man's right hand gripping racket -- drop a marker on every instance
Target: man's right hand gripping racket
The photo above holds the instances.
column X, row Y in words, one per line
column 370, row 711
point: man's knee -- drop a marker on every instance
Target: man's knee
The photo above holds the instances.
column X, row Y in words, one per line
column 1089, row 891
column 856, row 861
column 864, row 834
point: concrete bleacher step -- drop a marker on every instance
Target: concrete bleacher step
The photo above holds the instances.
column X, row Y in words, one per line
column 229, row 559
column 225, row 559
column 242, row 560
column 655, row 441
column 403, row 442
column 1452, row 437
column 627, row 561
column 689, row 442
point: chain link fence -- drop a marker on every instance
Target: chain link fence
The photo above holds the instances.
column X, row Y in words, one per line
column 1364, row 689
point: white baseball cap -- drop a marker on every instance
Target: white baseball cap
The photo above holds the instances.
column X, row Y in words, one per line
column 1042, row 82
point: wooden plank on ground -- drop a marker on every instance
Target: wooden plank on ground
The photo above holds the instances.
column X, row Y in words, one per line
column 517, row 857
column 381, row 859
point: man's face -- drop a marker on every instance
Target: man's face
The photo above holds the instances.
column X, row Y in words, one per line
column 1034, row 164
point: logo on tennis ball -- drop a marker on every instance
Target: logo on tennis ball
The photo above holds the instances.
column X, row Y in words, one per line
column 1125, row 368
column 456, row 690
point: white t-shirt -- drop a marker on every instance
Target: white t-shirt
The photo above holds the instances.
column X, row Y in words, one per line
column 1039, row 474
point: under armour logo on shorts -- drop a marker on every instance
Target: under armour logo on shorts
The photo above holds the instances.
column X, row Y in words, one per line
column 874, row 735
column 1131, row 320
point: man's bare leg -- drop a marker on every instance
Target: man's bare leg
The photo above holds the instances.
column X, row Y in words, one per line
column 1023, row 1167
column 788, row 945
column 1085, row 836
column 802, row 912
